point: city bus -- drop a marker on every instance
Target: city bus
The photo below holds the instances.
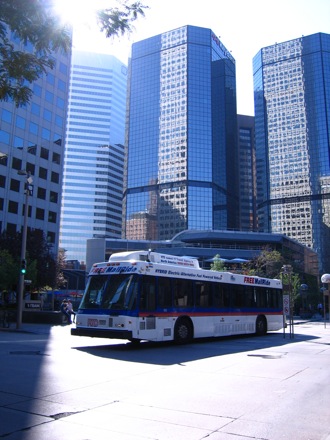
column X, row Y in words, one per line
column 146, row 295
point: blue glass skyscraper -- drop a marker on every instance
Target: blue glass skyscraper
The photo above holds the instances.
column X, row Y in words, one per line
column 292, row 116
column 32, row 140
column 181, row 137
column 94, row 152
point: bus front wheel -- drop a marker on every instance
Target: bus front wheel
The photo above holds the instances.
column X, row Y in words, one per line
column 183, row 331
column 261, row 326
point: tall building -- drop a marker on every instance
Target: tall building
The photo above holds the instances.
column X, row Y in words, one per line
column 247, row 173
column 94, row 152
column 31, row 147
column 292, row 122
column 181, row 137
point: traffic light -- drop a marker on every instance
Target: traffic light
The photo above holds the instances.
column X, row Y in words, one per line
column 23, row 267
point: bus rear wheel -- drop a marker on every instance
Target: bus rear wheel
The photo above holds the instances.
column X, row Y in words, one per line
column 183, row 331
column 261, row 326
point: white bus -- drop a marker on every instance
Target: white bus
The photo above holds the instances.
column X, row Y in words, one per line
column 157, row 297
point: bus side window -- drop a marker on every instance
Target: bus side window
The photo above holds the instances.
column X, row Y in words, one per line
column 164, row 292
column 238, row 296
column 183, row 292
column 249, row 296
column 261, row 297
column 203, row 294
column 148, row 293
column 221, row 297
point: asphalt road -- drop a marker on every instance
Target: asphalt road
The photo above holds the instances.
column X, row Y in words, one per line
column 56, row 386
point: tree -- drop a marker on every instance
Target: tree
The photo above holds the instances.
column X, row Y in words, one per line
column 9, row 270
column 35, row 24
column 118, row 21
column 60, row 281
column 267, row 264
column 41, row 265
column 218, row 264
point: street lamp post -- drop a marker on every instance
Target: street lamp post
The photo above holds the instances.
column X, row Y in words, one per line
column 287, row 272
column 28, row 191
column 325, row 279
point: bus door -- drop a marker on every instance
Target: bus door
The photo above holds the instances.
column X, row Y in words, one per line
column 147, row 328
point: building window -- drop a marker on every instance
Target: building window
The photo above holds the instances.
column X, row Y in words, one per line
column 14, row 185
column 47, row 115
column 35, row 109
column 45, row 134
column 55, row 177
column 33, row 128
column 41, row 193
column 30, row 167
column 52, row 217
column 51, row 237
column 6, row 116
column 20, row 122
column 49, row 96
column 12, row 207
column 53, row 197
column 57, row 158
column 16, row 164
column 42, row 173
column 40, row 214
column 44, row 153
column 4, row 137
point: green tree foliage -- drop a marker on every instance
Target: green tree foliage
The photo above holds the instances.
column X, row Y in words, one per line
column 9, row 271
column 218, row 264
column 268, row 264
column 60, row 281
column 40, row 263
column 40, row 31
column 118, row 21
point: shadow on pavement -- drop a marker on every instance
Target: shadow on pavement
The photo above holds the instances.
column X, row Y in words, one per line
column 168, row 353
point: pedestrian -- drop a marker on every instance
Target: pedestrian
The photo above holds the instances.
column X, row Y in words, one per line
column 70, row 310
column 319, row 308
column 64, row 310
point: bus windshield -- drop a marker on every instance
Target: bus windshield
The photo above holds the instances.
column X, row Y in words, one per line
column 110, row 292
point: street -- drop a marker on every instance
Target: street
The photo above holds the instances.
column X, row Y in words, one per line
column 57, row 386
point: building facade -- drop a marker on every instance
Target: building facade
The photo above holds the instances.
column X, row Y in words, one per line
column 181, row 137
column 235, row 247
column 247, row 173
column 292, row 123
column 31, row 153
column 94, row 152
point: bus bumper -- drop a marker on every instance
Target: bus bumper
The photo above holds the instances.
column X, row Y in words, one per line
column 101, row 333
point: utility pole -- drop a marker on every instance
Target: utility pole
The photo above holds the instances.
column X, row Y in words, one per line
column 28, row 191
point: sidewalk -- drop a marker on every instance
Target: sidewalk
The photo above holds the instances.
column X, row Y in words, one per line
column 30, row 327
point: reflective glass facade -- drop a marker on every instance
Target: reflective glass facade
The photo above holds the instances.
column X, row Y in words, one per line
column 247, row 178
column 32, row 139
column 292, row 107
column 94, row 152
column 181, row 138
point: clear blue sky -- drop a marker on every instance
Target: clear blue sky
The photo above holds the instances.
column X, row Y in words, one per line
column 244, row 27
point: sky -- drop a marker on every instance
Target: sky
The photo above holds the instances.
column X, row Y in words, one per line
column 243, row 26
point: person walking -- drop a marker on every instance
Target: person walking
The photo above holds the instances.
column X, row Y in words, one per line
column 70, row 310
column 65, row 311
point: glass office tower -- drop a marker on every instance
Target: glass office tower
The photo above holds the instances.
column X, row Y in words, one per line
column 94, row 152
column 181, row 137
column 247, row 175
column 32, row 141
column 292, row 114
